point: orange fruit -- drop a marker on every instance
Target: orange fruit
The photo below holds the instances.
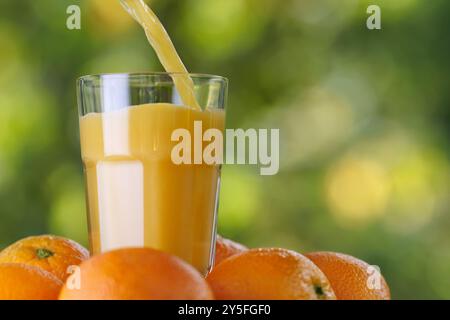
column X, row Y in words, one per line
column 23, row 282
column 137, row 274
column 351, row 278
column 51, row 253
column 226, row 248
column 269, row 274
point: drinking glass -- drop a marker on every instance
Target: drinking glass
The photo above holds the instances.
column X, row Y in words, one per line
column 137, row 196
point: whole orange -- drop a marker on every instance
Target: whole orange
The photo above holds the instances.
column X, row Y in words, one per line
column 269, row 274
column 51, row 253
column 351, row 278
column 23, row 282
column 136, row 274
column 226, row 248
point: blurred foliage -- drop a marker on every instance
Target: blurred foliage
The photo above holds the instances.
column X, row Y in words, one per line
column 364, row 119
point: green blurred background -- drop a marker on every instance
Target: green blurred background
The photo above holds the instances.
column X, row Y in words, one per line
column 364, row 120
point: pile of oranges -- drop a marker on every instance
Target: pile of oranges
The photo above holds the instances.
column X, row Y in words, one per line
column 50, row 267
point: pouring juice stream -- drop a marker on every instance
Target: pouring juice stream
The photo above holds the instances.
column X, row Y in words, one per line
column 164, row 48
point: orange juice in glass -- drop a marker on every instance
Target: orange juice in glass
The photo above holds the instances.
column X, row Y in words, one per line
column 136, row 194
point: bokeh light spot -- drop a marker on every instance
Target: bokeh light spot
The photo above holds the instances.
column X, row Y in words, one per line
column 357, row 190
column 221, row 27
column 419, row 184
column 108, row 17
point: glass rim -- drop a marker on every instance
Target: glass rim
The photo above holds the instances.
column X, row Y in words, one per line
column 147, row 74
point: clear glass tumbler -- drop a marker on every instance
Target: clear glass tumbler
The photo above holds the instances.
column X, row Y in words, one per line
column 136, row 194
